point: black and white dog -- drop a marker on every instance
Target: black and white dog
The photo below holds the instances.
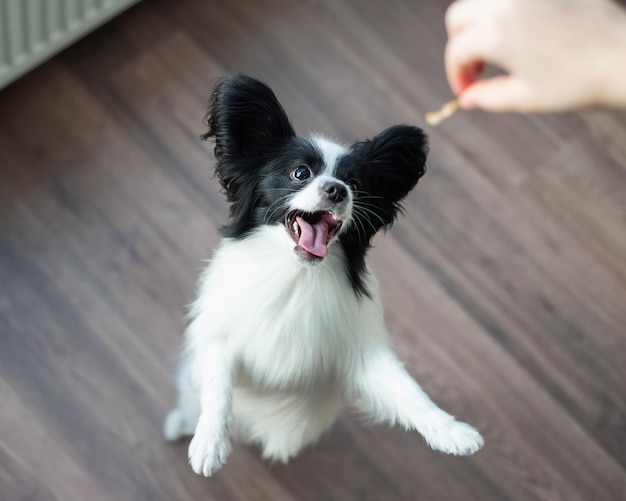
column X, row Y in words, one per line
column 288, row 325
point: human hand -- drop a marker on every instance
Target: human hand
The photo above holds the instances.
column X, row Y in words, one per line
column 557, row 54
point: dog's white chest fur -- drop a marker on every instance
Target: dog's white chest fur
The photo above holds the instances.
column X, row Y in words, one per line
column 288, row 324
column 276, row 349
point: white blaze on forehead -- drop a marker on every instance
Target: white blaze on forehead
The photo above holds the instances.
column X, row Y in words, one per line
column 331, row 152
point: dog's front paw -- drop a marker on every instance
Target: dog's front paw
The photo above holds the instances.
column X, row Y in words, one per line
column 208, row 451
column 454, row 437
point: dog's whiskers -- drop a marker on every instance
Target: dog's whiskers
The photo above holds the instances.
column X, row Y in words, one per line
column 281, row 203
column 365, row 212
column 359, row 225
column 365, row 204
column 363, row 217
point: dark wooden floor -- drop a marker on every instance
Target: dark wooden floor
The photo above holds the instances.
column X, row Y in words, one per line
column 504, row 283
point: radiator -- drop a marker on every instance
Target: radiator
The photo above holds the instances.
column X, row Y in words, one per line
column 32, row 31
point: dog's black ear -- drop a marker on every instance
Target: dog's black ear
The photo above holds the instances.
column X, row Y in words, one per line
column 395, row 160
column 391, row 165
column 246, row 120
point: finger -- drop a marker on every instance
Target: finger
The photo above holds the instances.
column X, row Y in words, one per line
column 462, row 13
column 469, row 73
column 498, row 94
column 465, row 58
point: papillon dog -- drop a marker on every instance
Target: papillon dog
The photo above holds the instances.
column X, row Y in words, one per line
column 287, row 329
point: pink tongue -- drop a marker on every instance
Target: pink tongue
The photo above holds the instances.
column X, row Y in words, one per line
column 313, row 237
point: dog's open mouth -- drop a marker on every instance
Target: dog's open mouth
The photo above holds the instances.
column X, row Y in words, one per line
column 312, row 232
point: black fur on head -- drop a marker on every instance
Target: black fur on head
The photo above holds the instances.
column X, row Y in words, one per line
column 250, row 128
column 257, row 150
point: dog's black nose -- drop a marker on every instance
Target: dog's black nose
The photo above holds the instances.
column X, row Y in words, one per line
column 336, row 191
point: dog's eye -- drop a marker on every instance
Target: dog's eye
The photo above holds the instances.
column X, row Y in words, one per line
column 354, row 184
column 301, row 173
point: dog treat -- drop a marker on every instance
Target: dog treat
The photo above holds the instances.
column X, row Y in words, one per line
column 447, row 110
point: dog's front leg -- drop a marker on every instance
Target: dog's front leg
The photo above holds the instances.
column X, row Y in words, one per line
column 210, row 445
column 384, row 390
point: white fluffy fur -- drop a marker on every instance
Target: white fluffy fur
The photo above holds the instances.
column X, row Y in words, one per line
column 331, row 151
column 276, row 348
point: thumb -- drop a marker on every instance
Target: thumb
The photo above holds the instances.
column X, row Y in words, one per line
column 501, row 93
